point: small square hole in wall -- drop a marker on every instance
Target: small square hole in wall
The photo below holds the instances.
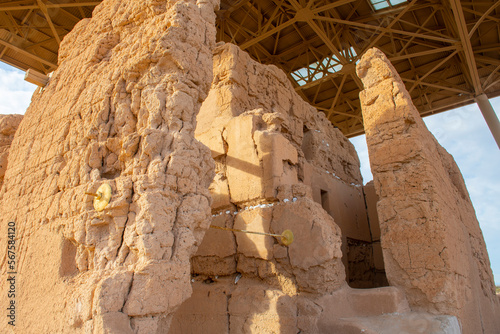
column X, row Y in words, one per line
column 325, row 200
column 68, row 263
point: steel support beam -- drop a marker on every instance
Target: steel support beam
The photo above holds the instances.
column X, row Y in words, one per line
column 61, row 5
column 28, row 54
column 466, row 44
column 45, row 12
column 383, row 29
column 489, row 116
column 265, row 35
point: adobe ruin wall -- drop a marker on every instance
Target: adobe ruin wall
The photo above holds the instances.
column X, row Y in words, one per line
column 432, row 244
column 254, row 125
column 275, row 159
column 8, row 128
column 120, row 109
column 267, row 142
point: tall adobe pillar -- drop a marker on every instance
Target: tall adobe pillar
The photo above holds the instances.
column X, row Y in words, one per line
column 120, row 109
column 431, row 240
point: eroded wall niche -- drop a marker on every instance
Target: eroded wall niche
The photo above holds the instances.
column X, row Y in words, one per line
column 120, row 109
column 432, row 244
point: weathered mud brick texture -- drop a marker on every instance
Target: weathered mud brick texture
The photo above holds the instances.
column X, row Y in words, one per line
column 8, row 127
column 267, row 143
column 276, row 157
column 125, row 108
column 120, row 109
column 273, row 152
column 431, row 240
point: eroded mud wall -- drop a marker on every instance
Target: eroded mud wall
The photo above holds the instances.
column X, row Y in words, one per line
column 120, row 109
column 265, row 138
column 259, row 131
column 431, row 240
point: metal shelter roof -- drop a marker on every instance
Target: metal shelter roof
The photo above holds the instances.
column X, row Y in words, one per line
column 446, row 51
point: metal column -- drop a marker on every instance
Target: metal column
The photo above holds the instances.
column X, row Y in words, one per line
column 489, row 116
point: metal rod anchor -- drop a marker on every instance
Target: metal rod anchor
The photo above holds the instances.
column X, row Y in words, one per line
column 98, row 195
column 102, row 197
column 286, row 237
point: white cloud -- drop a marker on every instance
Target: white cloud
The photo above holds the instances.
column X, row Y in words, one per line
column 15, row 93
column 359, row 143
column 465, row 135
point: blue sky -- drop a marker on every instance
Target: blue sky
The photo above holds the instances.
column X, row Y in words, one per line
column 463, row 133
